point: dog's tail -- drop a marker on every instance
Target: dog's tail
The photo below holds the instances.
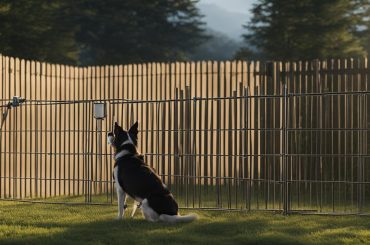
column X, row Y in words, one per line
column 178, row 218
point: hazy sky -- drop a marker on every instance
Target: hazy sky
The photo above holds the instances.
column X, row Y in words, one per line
column 232, row 5
column 227, row 16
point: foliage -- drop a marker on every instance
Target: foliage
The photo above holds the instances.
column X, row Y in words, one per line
column 34, row 30
column 305, row 29
column 137, row 31
column 362, row 29
column 100, row 32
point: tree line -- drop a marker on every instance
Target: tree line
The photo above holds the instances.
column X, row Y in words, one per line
column 308, row 29
column 99, row 32
column 95, row 32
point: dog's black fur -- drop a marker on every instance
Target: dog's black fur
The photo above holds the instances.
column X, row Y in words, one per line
column 136, row 178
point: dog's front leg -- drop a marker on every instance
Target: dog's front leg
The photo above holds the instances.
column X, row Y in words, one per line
column 121, row 203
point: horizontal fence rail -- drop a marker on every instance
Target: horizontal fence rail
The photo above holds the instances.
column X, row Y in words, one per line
column 236, row 135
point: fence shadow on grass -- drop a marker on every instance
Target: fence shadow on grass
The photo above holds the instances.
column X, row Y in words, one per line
column 54, row 224
column 138, row 231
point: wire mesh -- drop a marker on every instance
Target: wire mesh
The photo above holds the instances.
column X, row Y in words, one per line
column 291, row 137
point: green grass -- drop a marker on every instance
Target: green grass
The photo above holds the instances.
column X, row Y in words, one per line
column 62, row 224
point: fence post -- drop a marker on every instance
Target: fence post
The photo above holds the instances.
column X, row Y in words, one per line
column 284, row 154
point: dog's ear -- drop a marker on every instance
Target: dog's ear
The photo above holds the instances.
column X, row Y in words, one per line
column 117, row 128
column 133, row 132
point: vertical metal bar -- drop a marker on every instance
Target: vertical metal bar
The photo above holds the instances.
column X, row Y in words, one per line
column 103, row 148
column 242, row 143
column 201, row 136
column 285, row 155
column 98, row 179
column 218, row 138
column 25, row 125
column 77, row 129
column 264, row 118
column 49, row 108
column 231, row 142
column 359, row 143
column 256, row 134
column 15, row 138
column 170, row 116
column 66, row 73
column 223, row 133
column 206, row 126
column 250, row 117
column 6, row 134
column 147, row 111
column 194, row 144
column 232, row 168
column 61, row 72
column 48, row 135
column 186, row 141
column 351, row 99
column 21, row 177
column 331, row 118
column 91, row 154
column 30, row 119
column 340, row 110
column 212, row 159
column 68, row 153
column 176, row 136
column 85, row 131
column 56, row 88
column 235, row 159
column 247, row 141
column 73, row 124
column 8, row 128
column 43, row 169
column 111, row 79
column 36, row 135
column 163, row 121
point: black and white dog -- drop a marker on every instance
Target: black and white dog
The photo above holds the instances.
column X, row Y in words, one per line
column 135, row 178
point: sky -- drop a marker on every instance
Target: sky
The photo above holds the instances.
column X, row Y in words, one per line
column 232, row 5
column 227, row 16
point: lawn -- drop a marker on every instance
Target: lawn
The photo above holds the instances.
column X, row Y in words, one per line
column 65, row 224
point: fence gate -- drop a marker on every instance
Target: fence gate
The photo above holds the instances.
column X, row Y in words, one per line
column 290, row 137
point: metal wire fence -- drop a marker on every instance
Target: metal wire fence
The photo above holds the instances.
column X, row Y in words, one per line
column 290, row 137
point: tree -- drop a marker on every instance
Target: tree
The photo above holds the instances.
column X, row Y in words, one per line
column 305, row 29
column 362, row 29
column 34, row 30
column 95, row 32
column 115, row 32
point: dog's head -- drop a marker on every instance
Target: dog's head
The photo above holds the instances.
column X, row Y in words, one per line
column 120, row 137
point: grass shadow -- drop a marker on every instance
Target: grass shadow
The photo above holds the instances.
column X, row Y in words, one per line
column 57, row 224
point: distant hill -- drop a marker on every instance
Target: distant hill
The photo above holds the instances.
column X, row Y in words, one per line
column 218, row 47
column 225, row 29
column 224, row 21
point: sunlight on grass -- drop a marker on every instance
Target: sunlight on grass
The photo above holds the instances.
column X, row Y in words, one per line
column 63, row 224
